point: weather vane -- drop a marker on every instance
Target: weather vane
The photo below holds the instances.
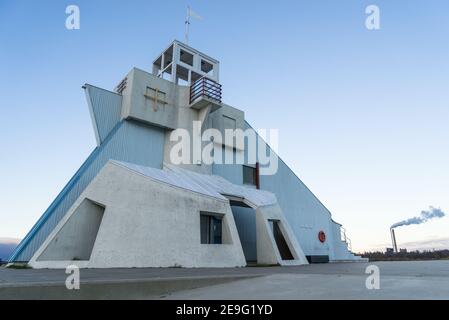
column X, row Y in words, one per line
column 190, row 14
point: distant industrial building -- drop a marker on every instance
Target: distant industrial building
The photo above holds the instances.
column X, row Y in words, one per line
column 130, row 205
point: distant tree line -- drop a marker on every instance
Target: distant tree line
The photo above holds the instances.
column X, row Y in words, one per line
column 407, row 256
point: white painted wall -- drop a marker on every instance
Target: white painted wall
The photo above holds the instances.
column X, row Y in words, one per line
column 76, row 238
column 150, row 224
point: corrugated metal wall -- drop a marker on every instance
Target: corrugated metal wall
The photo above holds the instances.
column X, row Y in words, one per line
column 105, row 108
column 302, row 209
column 304, row 212
column 128, row 141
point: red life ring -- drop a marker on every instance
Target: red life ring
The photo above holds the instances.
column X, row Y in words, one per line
column 322, row 236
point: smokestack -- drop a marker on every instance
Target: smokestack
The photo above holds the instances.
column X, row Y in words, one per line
column 393, row 239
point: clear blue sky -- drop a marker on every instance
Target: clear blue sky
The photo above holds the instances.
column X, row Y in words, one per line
column 363, row 115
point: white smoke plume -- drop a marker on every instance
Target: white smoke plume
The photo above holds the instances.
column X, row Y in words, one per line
column 424, row 217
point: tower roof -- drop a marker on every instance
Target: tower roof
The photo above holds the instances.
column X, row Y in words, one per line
column 184, row 64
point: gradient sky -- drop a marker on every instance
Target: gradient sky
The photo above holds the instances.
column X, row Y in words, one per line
column 363, row 115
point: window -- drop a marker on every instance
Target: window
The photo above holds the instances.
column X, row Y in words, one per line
column 195, row 76
column 168, row 57
column 182, row 75
column 229, row 123
column 211, row 229
column 249, row 175
column 207, row 67
column 186, row 57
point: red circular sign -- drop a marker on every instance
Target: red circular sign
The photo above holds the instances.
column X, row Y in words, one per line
column 321, row 236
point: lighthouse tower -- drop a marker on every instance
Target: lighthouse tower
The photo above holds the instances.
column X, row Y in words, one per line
column 130, row 204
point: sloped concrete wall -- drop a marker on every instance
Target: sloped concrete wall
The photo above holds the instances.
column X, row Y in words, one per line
column 77, row 236
column 129, row 141
column 150, row 224
column 267, row 251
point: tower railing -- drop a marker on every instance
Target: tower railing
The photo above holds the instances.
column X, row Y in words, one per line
column 205, row 87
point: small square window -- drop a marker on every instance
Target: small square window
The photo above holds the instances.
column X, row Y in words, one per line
column 249, row 175
column 207, row 67
column 229, row 123
column 186, row 57
column 195, row 76
column 211, row 229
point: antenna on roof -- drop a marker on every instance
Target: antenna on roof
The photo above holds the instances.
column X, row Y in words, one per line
column 190, row 14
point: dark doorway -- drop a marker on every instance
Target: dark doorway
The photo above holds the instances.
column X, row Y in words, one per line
column 282, row 245
column 245, row 221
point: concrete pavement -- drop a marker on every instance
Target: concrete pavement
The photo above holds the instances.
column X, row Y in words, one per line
column 398, row 280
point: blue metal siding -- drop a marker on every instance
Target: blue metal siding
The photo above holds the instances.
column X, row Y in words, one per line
column 105, row 108
column 302, row 209
column 232, row 172
column 128, row 141
column 304, row 212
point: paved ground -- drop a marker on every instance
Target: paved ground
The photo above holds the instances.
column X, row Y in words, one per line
column 321, row 286
column 398, row 280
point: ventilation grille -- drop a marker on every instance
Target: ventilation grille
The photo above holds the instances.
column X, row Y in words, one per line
column 121, row 86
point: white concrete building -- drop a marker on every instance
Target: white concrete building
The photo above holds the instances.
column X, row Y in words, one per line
column 132, row 204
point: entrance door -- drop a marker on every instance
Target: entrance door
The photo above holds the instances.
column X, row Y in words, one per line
column 245, row 221
column 282, row 245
